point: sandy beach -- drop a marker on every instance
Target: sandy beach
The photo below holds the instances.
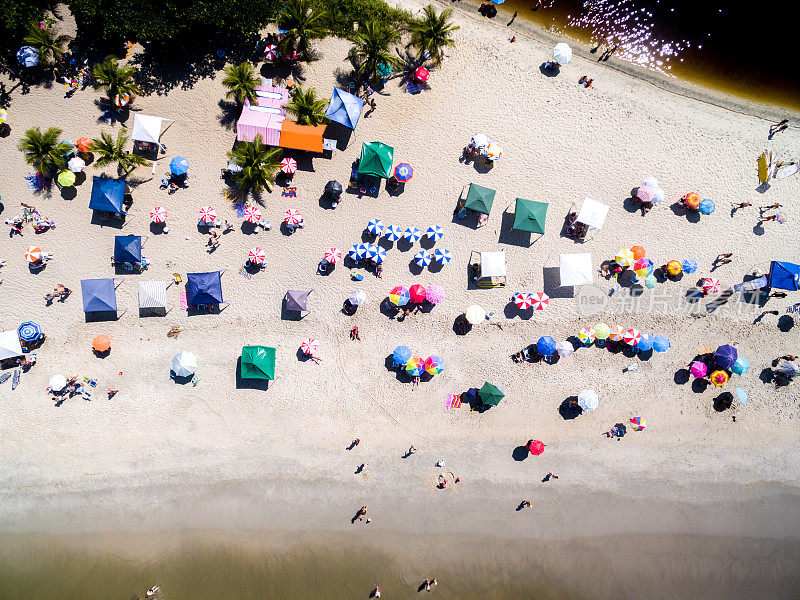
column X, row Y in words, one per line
column 222, row 456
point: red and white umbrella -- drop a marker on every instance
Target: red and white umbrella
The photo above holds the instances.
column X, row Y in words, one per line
column 523, row 300
column 257, row 256
column 208, row 214
column 158, row 214
column 333, row 255
column 632, row 336
column 271, row 52
column 33, row 253
column 292, row 216
column 540, row 300
column 252, row 214
column 309, row 346
column 711, row 285
column 288, row 165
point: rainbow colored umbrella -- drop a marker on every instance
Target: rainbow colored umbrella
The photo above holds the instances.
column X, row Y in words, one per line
column 434, row 365
column 698, row 369
column 399, row 296
column 643, row 267
column 403, row 172
column 415, row 366
column 586, row 335
column 781, row 217
column 638, row 423
column 719, row 378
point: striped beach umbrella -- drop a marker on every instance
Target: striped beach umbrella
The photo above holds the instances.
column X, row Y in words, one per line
column 257, row 256
column 434, row 294
column 624, row 258
column 540, row 300
column 645, row 193
column 252, row 214
column 393, row 233
column 442, row 256
column 355, row 252
column 586, row 335
column 412, row 234
column 399, row 296
column 208, row 214
column 632, row 336
column 380, row 254
column 158, row 214
column 523, row 300
column 271, row 52
column 375, row 226
column 423, row 258
column 29, row 331
column 415, row 366
column 292, row 216
column 638, row 423
column 602, row 331
column 616, row 332
column 493, row 151
column 434, row 365
column 435, row 232
column 333, row 255
column 711, row 285
column 403, row 172
column 288, row 165
column 371, row 251
column 309, row 346
column 33, row 253
column 416, row 293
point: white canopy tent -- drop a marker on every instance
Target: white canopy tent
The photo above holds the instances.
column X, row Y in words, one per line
column 147, row 128
column 153, row 294
column 575, row 269
column 593, row 213
column 10, row 346
column 493, row 264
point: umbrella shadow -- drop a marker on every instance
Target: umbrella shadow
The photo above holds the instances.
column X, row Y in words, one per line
column 245, row 383
column 682, row 376
column 723, row 402
column 510, row 311
column 461, row 326
column 399, row 372
column 569, row 408
column 785, row 323
column 181, row 379
column 699, row 386
column 388, row 309
column 548, row 71
column 520, row 453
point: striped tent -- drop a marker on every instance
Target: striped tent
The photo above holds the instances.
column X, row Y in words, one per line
column 153, row 294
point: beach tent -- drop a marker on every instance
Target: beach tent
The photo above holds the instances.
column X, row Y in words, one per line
column 204, row 288
column 344, row 108
column 493, row 264
column 593, row 213
column 784, row 275
column 376, row 160
column 575, row 269
column 153, row 294
column 301, row 137
column 257, row 120
column 147, row 128
column 257, row 362
column 107, row 194
column 479, row 198
column 297, row 300
column 10, row 346
column 529, row 216
column 99, row 295
column 128, row 249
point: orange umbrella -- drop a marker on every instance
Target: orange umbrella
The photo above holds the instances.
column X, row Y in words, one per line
column 84, row 144
column 638, row 252
column 674, row 267
column 692, row 199
column 101, row 343
column 719, row 378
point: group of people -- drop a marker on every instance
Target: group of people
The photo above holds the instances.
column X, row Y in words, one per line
column 59, row 291
column 29, row 213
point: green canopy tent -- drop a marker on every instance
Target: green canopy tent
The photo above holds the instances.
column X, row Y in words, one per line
column 529, row 216
column 491, row 394
column 479, row 199
column 376, row 160
column 258, row 362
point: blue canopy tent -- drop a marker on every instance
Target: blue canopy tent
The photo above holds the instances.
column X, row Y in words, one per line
column 204, row 288
column 128, row 249
column 99, row 295
column 344, row 108
column 107, row 194
column 784, row 275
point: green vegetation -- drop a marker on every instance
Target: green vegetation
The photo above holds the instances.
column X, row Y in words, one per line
column 372, row 45
column 433, row 33
column 342, row 15
column 307, row 108
column 42, row 36
column 241, row 81
column 114, row 79
column 259, row 165
column 44, row 151
column 303, row 21
column 15, row 16
column 110, row 151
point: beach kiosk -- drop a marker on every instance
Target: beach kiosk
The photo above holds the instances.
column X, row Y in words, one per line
column 128, row 250
column 529, row 216
column 203, row 289
column 152, row 298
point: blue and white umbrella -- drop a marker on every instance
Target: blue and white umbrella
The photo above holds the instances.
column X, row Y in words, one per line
column 689, row 265
column 412, row 234
column 375, row 227
column 393, row 233
column 355, row 252
column 442, row 256
column 28, row 56
column 380, row 254
column 179, row 166
column 371, row 252
column 423, row 258
column 435, row 232
column 29, row 331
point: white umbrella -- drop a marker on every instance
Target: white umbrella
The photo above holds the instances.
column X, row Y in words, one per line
column 593, row 213
column 475, row 314
column 562, row 53
column 357, row 297
column 184, row 364
column 565, row 349
column 76, row 164
column 480, row 140
column 588, row 400
column 650, row 181
column 57, row 383
column 789, row 367
column 658, row 195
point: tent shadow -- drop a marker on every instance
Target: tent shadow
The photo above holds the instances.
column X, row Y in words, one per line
column 520, row 453
column 153, row 312
column 244, row 383
column 100, row 316
column 569, row 408
column 551, row 277
column 513, row 237
column 110, row 221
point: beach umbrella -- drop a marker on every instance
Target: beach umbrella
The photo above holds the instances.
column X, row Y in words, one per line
column 617, row 331
column 434, row 365
column 435, row 294
column 412, row 234
column 375, row 226
column 84, row 144
column 355, row 252
column 479, row 198
column 741, row 366
column 208, row 214
column 376, row 160
column 638, row 252
column 357, row 297
column 333, row 189
column 179, row 166
column 698, row 369
column 309, row 346
column 435, row 232
column 661, row 343
column 480, row 140
column 650, row 181
column 632, row 336
column 442, row 256
column 586, row 336
column 719, row 378
column 28, row 56
column 781, row 217
column 288, row 165
column 602, row 331
column 689, row 265
column 588, row 400
column 417, row 293
column 565, row 349
column 415, row 366
column 540, row 300
column 546, row 345
column 57, row 383
column 184, row 364
column 535, row 447
column 658, row 196
column 401, row 355
column 333, row 255
column 674, row 267
column 422, row 74
column 789, row 367
column 76, row 164
column 3, row 115
column 66, row 178
column 252, row 214
column 638, row 423
column 29, row 331
column 380, row 254
column 101, row 343
column 33, row 254
column 725, row 356
column 493, row 151
column 692, row 200
column 271, row 52
column 423, row 258
column 491, row 394
column 711, row 285
column 292, row 216
column 393, row 233
column 529, row 216
column 643, row 267
column 624, row 258
column 399, row 296
column 257, row 256
column 122, row 99
column 257, row 362
column 650, row 281
column 475, row 314
column 645, row 193
column 707, row 207
column 562, row 53
column 403, row 172
column 645, row 343
column 522, row 300
column 371, row 251
column 742, row 395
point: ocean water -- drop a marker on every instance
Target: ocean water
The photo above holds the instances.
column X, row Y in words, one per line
column 728, row 46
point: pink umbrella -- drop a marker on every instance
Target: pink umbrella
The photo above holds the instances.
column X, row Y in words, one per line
column 257, row 256
column 309, row 346
column 332, row 255
column 271, row 52
column 699, row 369
column 158, row 215
column 711, row 285
column 208, row 214
column 252, row 214
column 540, row 300
column 645, row 193
column 632, row 336
column 523, row 300
column 434, row 294
column 288, row 165
column 422, row 74
column 292, row 216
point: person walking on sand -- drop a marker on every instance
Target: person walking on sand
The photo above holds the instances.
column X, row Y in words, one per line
column 550, row 476
column 778, row 127
column 723, row 259
column 514, row 16
column 411, row 450
column 769, row 218
column 736, row 206
column 360, row 468
column 362, row 512
column 524, row 504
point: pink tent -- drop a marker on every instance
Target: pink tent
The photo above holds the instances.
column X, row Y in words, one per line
column 265, row 117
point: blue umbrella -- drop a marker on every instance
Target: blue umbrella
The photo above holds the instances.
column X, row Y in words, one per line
column 28, row 56
column 380, row 254
column 179, row 166
column 707, row 207
column 412, row 234
column 661, row 344
column 371, row 251
column 742, row 395
column 546, row 345
column 442, row 256
column 741, row 366
column 689, row 265
column 355, row 252
column 29, row 331
column 423, row 258
column 435, row 232
column 393, row 233
column 726, row 356
column 401, row 355
column 645, row 343
column 375, row 227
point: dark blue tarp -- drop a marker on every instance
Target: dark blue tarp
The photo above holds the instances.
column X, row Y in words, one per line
column 107, row 194
column 204, row 288
column 344, row 108
column 128, row 249
column 784, row 275
column 98, row 295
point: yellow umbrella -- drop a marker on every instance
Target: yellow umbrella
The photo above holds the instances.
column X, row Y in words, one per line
column 674, row 267
column 66, row 178
column 3, row 115
column 624, row 257
column 602, row 331
column 765, row 166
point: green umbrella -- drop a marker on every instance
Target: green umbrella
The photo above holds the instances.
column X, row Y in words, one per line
column 66, row 178
column 479, row 199
column 491, row 394
column 529, row 215
column 376, row 159
column 258, row 362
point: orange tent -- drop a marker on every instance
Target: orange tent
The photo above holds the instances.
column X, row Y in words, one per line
column 301, row 137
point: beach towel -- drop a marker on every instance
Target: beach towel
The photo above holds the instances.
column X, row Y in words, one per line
column 289, row 192
column 453, row 401
column 413, row 87
column 244, row 273
column 239, row 209
column 30, row 181
column 184, row 301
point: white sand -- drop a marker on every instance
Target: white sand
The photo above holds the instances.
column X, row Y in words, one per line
column 269, row 448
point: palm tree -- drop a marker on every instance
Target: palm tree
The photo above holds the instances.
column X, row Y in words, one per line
column 116, row 80
column 302, row 23
column 44, row 39
column 241, row 82
column 433, row 33
column 44, row 150
column 110, row 151
column 306, row 108
column 259, row 164
column 371, row 47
